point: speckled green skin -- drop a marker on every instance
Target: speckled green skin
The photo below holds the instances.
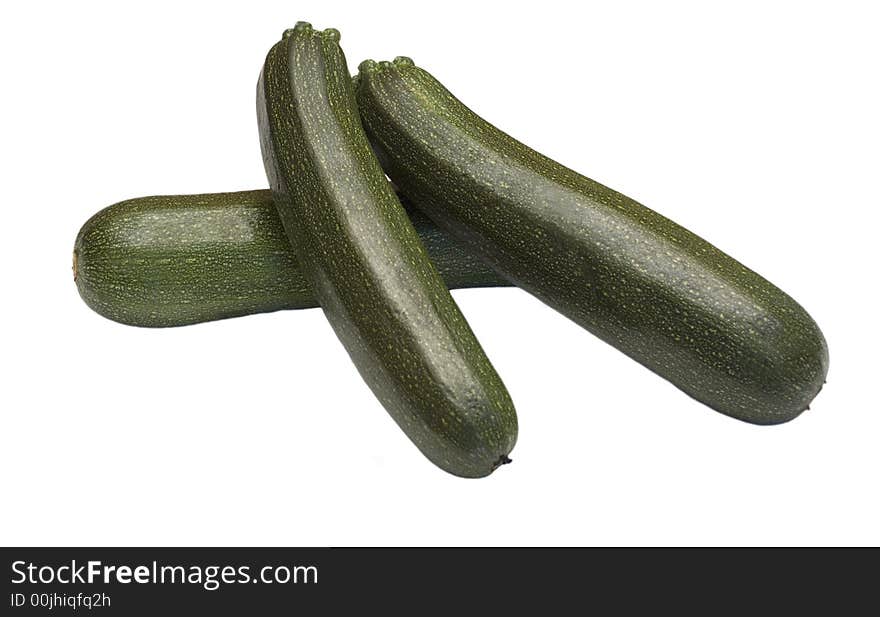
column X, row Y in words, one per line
column 176, row 260
column 371, row 274
column 662, row 295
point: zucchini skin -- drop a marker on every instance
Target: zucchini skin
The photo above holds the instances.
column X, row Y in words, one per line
column 176, row 260
column 370, row 273
column 652, row 289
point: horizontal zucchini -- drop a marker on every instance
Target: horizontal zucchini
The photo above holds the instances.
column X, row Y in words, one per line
column 370, row 273
column 174, row 260
column 649, row 287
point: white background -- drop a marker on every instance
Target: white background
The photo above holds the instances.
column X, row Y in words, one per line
column 755, row 125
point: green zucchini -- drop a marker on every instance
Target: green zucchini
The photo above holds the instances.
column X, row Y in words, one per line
column 369, row 271
column 175, row 260
column 657, row 292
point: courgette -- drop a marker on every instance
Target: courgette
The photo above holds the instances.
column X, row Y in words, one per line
column 175, row 260
column 368, row 269
column 657, row 292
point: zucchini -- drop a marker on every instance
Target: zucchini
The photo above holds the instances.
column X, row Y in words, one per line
column 184, row 259
column 368, row 269
column 657, row 292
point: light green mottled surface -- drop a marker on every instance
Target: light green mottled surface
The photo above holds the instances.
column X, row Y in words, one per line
column 175, row 260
